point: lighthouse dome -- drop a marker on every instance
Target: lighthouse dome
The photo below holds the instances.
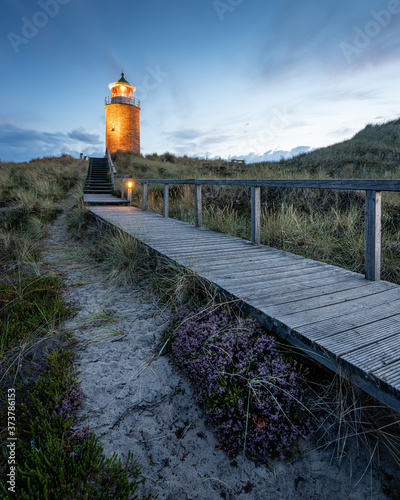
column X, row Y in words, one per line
column 122, row 88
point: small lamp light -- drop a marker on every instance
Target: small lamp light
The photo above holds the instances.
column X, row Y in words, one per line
column 130, row 185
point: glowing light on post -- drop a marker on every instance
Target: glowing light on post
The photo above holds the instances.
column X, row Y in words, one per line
column 130, row 186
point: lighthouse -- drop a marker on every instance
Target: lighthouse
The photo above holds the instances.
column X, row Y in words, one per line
column 122, row 117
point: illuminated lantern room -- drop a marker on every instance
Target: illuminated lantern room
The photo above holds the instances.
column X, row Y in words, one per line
column 121, row 88
column 122, row 117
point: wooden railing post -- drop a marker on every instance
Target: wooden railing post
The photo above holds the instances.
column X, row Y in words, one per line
column 122, row 187
column 255, row 214
column 166, row 200
column 144, row 197
column 373, row 211
column 198, row 206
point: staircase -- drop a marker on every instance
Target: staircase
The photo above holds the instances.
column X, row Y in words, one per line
column 97, row 181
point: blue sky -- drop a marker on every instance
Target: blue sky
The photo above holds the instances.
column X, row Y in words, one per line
column 229, row 78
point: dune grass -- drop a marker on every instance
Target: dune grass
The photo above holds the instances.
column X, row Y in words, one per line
column 53, row 459
column 30, row 194
column 325, row 225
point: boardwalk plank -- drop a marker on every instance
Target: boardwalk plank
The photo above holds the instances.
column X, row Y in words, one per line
column 363, row 336
column 306, row 318
column 338, row 297
column 390, row 374
column 309, row 277
column 325, row 328
column 332, row 285
column 378, row 354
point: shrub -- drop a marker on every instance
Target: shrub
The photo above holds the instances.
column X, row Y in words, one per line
column 56, row 461
column 250, row 395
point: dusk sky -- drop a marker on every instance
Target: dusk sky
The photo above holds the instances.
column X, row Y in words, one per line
column 231, row 78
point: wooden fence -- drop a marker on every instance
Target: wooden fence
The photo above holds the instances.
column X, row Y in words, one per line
column 373, row 203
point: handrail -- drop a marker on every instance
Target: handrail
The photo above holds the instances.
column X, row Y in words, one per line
column 346, row 184
column 373, row 204
column 111, row 167
column 122, row 99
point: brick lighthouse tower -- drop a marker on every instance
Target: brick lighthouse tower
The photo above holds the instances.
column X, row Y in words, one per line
column 122, row 117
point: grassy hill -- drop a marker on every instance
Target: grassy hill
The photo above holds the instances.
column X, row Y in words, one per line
column 320, row 224
column 374, row 152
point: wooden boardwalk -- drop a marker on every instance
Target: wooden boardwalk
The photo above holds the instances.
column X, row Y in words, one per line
column 103, row 199
column 336, row 316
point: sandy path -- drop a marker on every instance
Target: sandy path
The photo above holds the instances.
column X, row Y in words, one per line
column 135, row 402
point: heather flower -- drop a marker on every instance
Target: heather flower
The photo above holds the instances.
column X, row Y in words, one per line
column 68, row 403
column 248, row 393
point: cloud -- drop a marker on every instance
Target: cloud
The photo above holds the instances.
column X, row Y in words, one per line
column 273, row 155
column 309, row 37
column 183, row 150
column 19, row 144
column 82, row 136
column 343, row 132
column 186, row 140
column 185, row 134
column 211, row 141
column 16, row 136
column 348, row 94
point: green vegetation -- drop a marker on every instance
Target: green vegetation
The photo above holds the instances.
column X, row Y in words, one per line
column 326, row 225
column 250, row 394
column 127, row 261
column 29, row 198
column 30, row 307
column 55, row 458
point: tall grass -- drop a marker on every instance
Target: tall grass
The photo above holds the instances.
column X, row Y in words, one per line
column 128, row 261
column 326, row 225
column 45, row 178
column 30, row 194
